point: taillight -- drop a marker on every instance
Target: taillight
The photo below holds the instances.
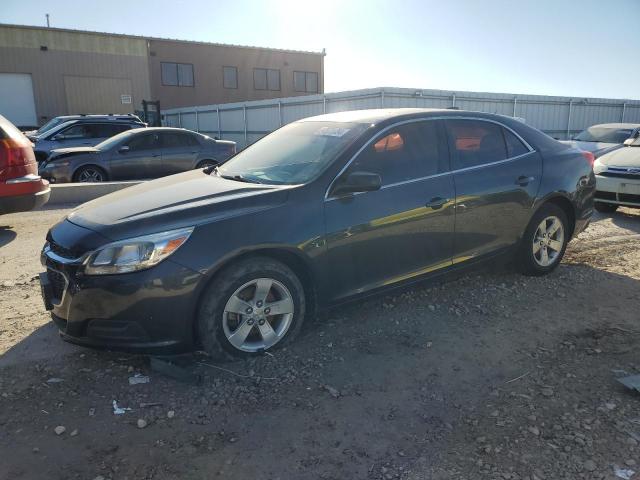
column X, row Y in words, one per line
column 15, row 152
column 589, row 157
column 16, row 158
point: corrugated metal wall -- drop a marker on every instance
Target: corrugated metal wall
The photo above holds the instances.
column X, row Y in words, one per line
column 560, row 117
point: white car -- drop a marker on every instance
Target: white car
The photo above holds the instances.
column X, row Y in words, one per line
column 603, row 138
column 618, row 177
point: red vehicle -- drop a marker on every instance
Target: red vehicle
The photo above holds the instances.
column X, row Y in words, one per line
column 21, row 188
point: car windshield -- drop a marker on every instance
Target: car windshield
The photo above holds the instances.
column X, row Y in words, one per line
column 111, row 141
column 604, row 134
column 293, row 154
column 54, row 122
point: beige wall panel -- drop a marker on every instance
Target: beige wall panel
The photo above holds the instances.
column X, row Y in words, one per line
column 97, row 95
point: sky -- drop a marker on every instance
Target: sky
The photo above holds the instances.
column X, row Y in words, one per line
column 580, row 48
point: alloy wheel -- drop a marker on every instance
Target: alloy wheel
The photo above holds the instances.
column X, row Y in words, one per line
column 90, row 175
column 548, row 241
column 258, row 315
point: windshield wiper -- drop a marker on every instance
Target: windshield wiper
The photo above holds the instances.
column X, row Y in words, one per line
column 238, row 178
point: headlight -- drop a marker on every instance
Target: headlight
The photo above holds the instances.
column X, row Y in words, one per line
column 598, row 167
column 135, row 253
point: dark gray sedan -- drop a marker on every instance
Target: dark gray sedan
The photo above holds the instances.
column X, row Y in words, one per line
column 322, row 210
column 137, row 154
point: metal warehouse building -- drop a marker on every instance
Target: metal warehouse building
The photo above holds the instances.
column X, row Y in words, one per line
column 45, row 72
column 560, row 117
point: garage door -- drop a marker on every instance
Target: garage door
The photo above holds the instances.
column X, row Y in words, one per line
column 16, row 99
column 98, row 95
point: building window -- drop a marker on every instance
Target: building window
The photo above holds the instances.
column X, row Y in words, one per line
column 266, row 79
column 230, row 77
column 305, row 82
column 177, row 74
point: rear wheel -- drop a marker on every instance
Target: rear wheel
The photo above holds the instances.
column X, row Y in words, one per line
column 253, row 306
column 90, row 174
column 605, row 207
column 544, row 241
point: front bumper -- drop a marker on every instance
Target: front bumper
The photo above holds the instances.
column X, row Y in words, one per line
column 56, row 173
column 618, row 190
column 150, row 311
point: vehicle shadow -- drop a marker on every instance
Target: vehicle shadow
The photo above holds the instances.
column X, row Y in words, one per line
column 7, row 235
column 627, row 218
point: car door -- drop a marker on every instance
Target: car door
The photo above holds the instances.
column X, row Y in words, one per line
column 179, row 151
column 137, row 158
column 405, row 228
column 496, row 177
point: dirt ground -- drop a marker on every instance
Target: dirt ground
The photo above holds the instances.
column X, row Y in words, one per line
column 493, row 375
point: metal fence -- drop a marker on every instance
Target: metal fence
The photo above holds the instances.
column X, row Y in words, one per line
column 246, row 122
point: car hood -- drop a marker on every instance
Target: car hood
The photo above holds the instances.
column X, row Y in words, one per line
column 177, row 201
column 73, row 150
column 623, row 157
column 597, row 148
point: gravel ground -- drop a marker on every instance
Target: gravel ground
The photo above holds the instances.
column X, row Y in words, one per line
column 492, row 375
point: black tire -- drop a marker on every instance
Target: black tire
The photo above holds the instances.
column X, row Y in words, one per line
column 526, row 260
column 207, row 164
column 605, row 207
column 211, row 313
column 86, row 170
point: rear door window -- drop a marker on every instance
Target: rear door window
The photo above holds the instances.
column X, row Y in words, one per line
column 177, row 139
column 475, row 142
column 403, row 153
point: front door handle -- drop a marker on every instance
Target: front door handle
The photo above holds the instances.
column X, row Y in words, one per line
column 436, row 203
column 523, row 180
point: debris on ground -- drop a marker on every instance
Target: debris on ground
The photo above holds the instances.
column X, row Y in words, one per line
column 624, row 473
column 59, row 430
column 178, row 368
column 138, row 379
column 119, row 410
column 632, row 382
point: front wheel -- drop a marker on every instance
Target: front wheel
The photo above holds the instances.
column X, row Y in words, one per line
column 544, row 241
column 90, row 174
column 251, row 307
column 605, row 207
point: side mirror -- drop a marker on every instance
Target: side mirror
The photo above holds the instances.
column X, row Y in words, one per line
column 630, row 141
column 123, row 149
column 358, row 182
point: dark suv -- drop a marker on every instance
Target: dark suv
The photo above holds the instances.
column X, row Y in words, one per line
column 322, row 210
column 80, row 133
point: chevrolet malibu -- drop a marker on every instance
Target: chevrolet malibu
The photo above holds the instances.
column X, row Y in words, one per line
column 330, row 208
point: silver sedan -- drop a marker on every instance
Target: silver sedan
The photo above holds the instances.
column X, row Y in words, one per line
column 137, row 154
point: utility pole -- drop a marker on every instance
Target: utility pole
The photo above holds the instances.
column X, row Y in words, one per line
column 47, row 15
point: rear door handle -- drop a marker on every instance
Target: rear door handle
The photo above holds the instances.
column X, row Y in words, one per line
column 436, row 202
column 523, row 180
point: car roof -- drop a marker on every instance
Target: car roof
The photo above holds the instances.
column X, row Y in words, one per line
column 163, row 129
column 94, row 116
column 376, row 116
column 617, row 125
column 75, row 121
